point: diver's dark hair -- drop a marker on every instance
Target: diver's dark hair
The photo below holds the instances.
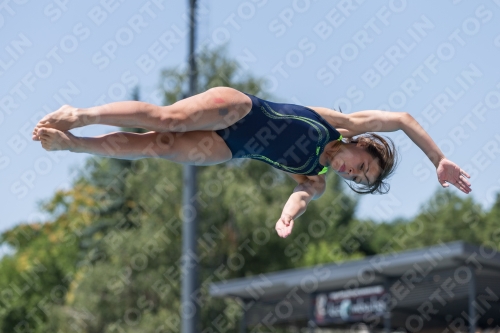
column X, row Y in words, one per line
column 384, row 152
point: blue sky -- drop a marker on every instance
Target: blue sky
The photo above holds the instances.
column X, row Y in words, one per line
column 436, row 60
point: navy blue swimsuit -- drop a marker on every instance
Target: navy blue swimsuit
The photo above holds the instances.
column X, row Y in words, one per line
column 289, row 137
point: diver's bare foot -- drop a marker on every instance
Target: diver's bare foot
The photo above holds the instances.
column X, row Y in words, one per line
column 53, row 139
column 66, row 118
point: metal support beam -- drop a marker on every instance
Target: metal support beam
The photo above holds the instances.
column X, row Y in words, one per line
column 243, row 320
column 311, row 323
column 472, row 298
column 189, row 307
column 387, row 314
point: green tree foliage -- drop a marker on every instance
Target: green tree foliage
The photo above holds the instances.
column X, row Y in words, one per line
column 138, row 273
column 445, row 217
column 39, row 272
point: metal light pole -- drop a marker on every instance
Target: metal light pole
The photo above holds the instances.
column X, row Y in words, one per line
column 189, row 308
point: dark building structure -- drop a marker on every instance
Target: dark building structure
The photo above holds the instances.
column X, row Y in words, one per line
column 451, row 287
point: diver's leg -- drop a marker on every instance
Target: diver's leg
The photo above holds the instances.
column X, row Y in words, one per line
column 214, row 109
column 197, row 147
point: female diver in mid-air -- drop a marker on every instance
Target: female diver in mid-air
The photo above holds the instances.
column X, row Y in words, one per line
column 223, row 123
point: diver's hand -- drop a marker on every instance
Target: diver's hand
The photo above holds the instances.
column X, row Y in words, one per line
column 284, row 225
column 449, row 172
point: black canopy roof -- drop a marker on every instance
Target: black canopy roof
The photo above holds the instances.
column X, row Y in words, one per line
column 372, row 269
column 416, row 274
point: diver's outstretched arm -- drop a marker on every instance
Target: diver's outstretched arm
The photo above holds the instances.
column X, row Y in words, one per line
column 383, row 121
column 297, row 204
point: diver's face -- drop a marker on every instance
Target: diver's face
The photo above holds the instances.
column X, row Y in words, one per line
column 352, row 162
